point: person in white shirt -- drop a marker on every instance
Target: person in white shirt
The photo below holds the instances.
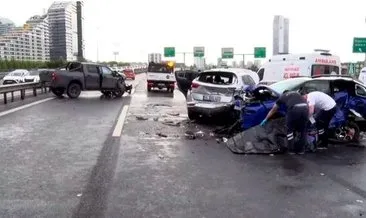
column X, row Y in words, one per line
column 324, row 108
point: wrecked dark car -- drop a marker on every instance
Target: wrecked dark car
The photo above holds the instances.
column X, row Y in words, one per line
column 349, row 94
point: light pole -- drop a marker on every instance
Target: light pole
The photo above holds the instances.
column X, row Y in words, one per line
column 98, row 44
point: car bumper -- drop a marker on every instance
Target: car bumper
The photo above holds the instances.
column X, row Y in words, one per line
column 161, row 84
column 210, row 109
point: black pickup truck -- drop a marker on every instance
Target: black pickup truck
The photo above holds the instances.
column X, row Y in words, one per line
column 80, row 76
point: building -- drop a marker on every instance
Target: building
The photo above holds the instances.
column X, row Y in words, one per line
column 200, row 63
column 66, row 37
column 280, row 35
column 154, row 57
column 27, row 43
column 5, row 25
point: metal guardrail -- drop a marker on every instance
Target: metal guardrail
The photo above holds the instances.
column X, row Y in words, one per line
column 5, row 89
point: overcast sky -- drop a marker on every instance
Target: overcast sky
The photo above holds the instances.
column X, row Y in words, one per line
column 135, row 28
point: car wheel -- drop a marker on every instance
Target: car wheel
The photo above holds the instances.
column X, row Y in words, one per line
column 73, row 90
column 57, row 91
column 149, row 89
column 118, row 93
column 192, row 115
column 171, row 90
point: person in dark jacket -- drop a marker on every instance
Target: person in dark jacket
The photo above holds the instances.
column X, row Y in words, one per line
column 297, row 116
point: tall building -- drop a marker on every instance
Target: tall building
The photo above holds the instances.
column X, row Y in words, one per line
column 5, row 25
column 280, row 35
column 65, row 34
column 154, row 57
column 200, row 63
column 30, row 42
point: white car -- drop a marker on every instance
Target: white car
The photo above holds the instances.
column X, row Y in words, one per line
column 32, row 77
column 16, row 76
column 211, row 92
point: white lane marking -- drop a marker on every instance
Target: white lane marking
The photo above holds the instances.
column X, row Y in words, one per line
column 121, row 120
column 24, row 107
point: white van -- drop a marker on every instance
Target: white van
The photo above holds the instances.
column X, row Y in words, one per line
column 362, row 76
column 285, row 66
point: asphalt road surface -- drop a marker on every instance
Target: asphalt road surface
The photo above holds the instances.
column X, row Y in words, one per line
column 69, row 158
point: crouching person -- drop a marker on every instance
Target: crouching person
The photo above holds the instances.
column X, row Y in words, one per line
column 297, row 116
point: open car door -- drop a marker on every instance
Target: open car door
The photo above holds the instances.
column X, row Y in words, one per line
column 184, row 80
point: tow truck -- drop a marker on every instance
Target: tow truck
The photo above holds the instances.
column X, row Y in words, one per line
column 161, row 75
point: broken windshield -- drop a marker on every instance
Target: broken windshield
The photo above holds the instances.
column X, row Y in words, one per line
column 219, row 78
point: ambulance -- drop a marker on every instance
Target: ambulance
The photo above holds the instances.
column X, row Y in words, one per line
column 362, row 76
column 285, row 66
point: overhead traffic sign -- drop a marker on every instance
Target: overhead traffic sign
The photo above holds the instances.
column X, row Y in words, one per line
column 169, row 52
column 227, row 53
column 359, row 45
column 198, row 51
column 259, row 52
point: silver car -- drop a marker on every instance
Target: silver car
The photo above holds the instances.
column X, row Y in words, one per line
column 211, row 92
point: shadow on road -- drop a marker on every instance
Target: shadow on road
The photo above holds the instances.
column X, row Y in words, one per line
column 160, row 93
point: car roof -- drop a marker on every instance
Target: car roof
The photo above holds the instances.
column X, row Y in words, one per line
column 329, row 78
column 238, row 71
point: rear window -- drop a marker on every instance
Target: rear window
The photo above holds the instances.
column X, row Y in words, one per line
column 324, row 70
column 159, row 68
column 219, row 78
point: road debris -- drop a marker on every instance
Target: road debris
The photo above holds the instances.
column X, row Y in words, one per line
column 171, row 123
column 199, row 134
column 271, row 155
column 156, row 118
column 189, row 135
column 322, row 174
column 212, row 134
column 161, row 135
column 174, row 114
column 158, row 105
column 79, row 195
column 141, row 118
column 359, row 201
column 161, row 156
column 224, row 139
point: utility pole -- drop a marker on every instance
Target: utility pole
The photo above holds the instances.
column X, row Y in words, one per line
column 184, row 56
column 243, row 55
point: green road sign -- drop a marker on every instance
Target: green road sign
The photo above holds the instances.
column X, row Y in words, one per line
column 359, row 45
column 169, row 52
column 198, row 51
column 259, row 52
column 227, row 53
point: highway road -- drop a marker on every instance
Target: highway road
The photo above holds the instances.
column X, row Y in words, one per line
column 129, row 157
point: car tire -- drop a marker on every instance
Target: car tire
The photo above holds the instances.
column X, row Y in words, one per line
column 192, row 115
column 73, row 90
column 149, row 89
column 356, row 128
column 58, row 92
column 171, row 90
column 120, row 90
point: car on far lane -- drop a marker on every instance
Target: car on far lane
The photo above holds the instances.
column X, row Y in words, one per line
column 16, row 76
column 130, row 74
column 32, row 77
column 211, row 92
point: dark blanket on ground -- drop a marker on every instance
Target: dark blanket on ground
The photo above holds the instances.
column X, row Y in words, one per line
column 260, row 140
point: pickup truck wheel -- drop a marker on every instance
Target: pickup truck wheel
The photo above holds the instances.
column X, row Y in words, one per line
column 118, row 93
column 57, row 91
column 74, row 90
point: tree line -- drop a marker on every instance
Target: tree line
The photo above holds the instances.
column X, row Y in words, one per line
column 9, row 65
